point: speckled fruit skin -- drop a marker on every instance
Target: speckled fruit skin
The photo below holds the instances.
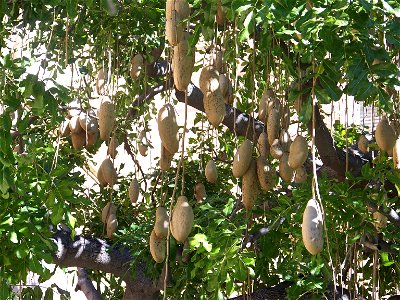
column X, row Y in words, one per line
column 250, row 187
column 182, row 219
column 108, row 171
column 385, row 135
column 214, row 107
column 175, row 12
column 157, row 247
column 162, row 222
column 183, row 63
column 78, row 140
column 211, row 172
column 263, row 145
column 312, row 227
column 242, row 159
column 168, row 128
column 200, row 191
column 298, row 152
column 285, row 171
column 273, row 126
column 134, row 190
column 266, row 174
column 106, row 114
column 300, row 175
column 109, row 209
column 363, row 144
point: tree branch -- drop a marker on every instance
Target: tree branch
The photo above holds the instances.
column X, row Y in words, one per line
column 86, row 286
column 97, row 254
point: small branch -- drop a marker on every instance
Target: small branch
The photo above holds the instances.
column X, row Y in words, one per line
column 128, row 149
column 86, row 286
column 139, row 100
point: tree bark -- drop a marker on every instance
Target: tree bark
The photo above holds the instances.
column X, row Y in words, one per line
column 86, row 286
column 97, row 254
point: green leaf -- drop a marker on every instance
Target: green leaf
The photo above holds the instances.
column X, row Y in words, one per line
column 248, row 27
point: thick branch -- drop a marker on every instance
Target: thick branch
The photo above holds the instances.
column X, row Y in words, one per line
column 86, row 286
column 97, row 254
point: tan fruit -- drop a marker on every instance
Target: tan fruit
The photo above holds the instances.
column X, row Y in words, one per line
column 250, row 186
column 211, row 172
column 242, row 159
column 298, row 152
column 220, row 16
column 263, row 145
column 176, row 12
column 157, row 247
column 381, row 220
column 183, row 63
column 101, row 81
column 226, row 88
column 109, row 172
column 168, row 128
column 285, row 171
column 91, row 138
column 214, row 107
column 300, row 175
column 65, row 130
column 165, row 159
column 100, row 177
column 134, row 190
column 396, row 154
column 109, row 209
column 112, row 225
column 112, row 147
column 363, row 144
column 78, row 140
column 162, row 223
column 266, row 174
column 312, row 227
column 143, row 148
column 285, row 118
column 285, row 141
column 273, row 125
column 385, row 135
column 276, row 149
column 88, row 121
column 263, row 104
column 209, row 79
column 106, row 116
column 182, row 219
column 273, row 103
column 200, row 191
column 218, row 61
column 74, row 125
column 137, row 66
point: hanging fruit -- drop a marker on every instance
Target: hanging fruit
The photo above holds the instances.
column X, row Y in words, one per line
column 312, row 227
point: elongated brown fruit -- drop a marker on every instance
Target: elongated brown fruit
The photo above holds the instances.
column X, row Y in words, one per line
column 88, row 121
column 157, row 247
column 209, row 79
column 242, row 159
column 137, row 66
column 211, row 172
column 134, row 190
column 312, row 227
column 78, row 140
column 65, row 130
column 162, row 223
column 108, row 171
column 273, row 125
column 182, row 219
column 183, row 63
column 285, row 171
column 250, row 187
column 396, row 154
column 176, row 12
column 74, row 125
column 298, row 152
column 101, row 80
column 168, row 128
column 385, row 135
column 143, row 148
column 109, row 209
column 199, row 191
column 276, row 149
column 363, row 144
column 106, row 116
column 165, row 159
column 100, row 177
column 300, row 175
column 112, row 147
column 266, row 174
column 214, row 107
column 112, row 225
column 263, row 144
